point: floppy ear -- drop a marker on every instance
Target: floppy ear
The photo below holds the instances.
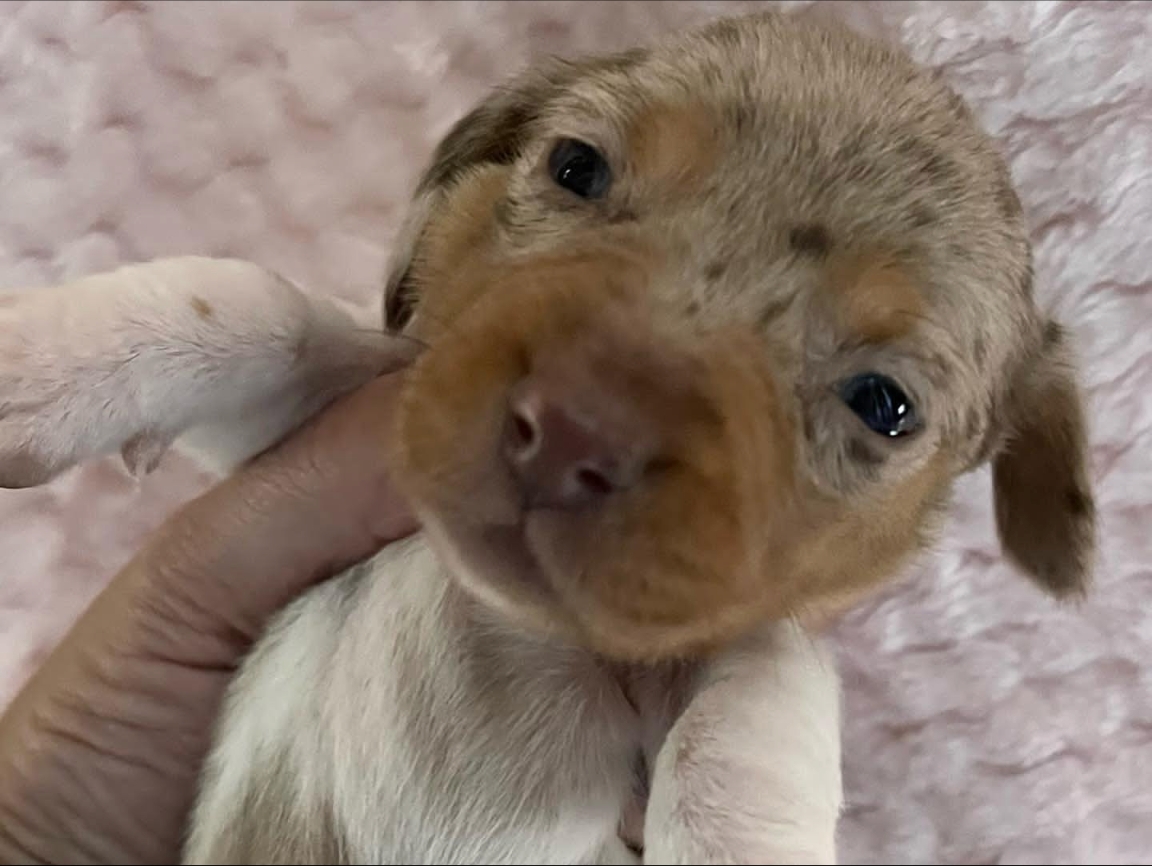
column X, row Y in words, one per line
column 494, row 132
column 1045, row 512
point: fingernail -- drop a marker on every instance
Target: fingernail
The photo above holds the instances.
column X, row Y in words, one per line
column 402, row 351
column 391, row 352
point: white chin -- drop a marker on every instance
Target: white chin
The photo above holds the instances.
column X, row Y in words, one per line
column 512, row 595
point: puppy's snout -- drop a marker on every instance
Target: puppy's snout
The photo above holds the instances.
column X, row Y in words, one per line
column 563, row 455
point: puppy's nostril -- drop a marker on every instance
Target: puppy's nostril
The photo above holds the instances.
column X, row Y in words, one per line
column 562, row 458
column 523, row 435
column 594, row 482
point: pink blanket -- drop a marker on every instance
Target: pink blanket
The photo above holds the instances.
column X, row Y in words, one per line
column 984, row 723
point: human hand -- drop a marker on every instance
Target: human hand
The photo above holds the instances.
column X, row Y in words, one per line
column 101, row 751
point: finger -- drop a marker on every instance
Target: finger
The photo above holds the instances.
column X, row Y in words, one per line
column 394, row 352
column 109, row 735
column 321, row 501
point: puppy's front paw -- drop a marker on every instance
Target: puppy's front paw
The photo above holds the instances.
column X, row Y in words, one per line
column 67, row 386
column 129, row 360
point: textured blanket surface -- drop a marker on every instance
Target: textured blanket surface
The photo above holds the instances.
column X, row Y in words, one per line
column 984, row 724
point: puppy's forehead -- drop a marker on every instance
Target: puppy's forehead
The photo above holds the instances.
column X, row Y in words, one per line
column 819, row 131
column 775, row 151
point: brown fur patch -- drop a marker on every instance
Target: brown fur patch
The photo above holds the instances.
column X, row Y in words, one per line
column 1044, row 510
column 662, row 317
column 874, row 299
column 715, row 270
column 774, row 310
column 1008, row 201
column 202, row 307
column 923, row 216
column 676, row 146
column 680, row 562
column 810, row 239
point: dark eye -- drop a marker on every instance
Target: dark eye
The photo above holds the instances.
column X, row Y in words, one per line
column 881, row 404
column 579, row 168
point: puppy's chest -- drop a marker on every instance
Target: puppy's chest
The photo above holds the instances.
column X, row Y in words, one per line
column 487, row 746
column 534, row 762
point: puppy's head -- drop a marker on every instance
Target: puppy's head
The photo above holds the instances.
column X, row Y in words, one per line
column 713, row 325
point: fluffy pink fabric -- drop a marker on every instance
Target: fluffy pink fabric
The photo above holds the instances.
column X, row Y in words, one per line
column 984, row 723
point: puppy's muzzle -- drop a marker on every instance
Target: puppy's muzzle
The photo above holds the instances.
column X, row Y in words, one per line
column 569, row 449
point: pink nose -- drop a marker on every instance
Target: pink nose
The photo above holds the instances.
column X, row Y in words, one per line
column 564, row 458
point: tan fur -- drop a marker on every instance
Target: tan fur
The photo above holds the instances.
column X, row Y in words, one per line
column 889, row 250
column 673, row 148
column 874, row 300
column 202, row 307
column 790, row 206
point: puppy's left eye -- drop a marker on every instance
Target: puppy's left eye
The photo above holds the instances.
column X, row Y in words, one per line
column 579, row 168
column 881, row 404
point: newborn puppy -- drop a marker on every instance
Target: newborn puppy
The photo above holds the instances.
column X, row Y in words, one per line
column 710, row 329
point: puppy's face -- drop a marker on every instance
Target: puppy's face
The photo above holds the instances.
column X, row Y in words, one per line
column 712, row 327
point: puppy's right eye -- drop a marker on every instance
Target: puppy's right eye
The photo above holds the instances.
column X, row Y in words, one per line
column 881, row 404
column 579, row 168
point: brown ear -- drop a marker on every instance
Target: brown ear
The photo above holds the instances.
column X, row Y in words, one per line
column 494, row 132
column 1045, row 512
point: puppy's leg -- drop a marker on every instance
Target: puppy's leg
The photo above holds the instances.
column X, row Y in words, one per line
column 615, row 853
column 130, row 360
column 750, row 772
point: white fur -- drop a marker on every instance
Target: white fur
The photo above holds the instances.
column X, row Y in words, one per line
column 133, row 358
column 431, row 729
column 757, row 724
column 290, row 133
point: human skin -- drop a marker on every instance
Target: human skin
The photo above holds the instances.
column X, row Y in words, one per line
column 101, row 750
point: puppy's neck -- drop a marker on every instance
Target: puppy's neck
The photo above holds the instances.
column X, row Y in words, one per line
column 415, row 572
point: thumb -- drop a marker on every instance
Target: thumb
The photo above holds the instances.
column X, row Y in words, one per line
column 303, row 511
column 100, row 752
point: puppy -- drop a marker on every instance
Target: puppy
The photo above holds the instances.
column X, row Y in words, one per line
column 708, row 330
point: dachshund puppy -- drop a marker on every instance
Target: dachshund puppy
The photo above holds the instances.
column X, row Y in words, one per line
column 708, row 329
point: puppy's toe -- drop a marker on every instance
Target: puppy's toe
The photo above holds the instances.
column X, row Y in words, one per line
column 53, row 411
column 20, row 467
column 141, row 454
column 29, row 436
